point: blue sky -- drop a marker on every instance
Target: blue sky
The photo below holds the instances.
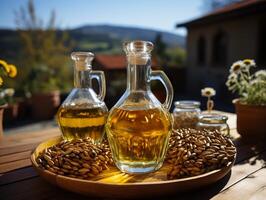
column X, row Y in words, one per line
column 155, row 14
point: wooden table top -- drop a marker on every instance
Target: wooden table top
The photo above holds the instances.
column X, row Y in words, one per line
column 18, row 180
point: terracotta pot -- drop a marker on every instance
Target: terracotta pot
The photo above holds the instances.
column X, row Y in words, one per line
column 251, row 120
column 44, row 106
column 1, row 119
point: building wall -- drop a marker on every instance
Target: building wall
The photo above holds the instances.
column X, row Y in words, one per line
column 242, row 36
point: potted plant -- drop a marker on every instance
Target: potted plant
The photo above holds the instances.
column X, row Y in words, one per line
column 251, row 104
column 44, row 92
column 8, row 70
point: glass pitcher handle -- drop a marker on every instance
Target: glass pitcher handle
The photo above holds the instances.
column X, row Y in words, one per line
column 99, row 76
column 161, row 76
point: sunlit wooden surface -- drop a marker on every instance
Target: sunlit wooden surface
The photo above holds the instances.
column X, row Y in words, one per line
column 18, row 180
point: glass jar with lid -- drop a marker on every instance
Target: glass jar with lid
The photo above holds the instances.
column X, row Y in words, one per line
column 186, row 114
column 214, row 122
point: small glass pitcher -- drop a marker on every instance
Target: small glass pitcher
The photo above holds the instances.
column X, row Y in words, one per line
column 138, row 126
column 83, row 114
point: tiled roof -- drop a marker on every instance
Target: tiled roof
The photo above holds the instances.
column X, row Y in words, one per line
column 115, row 61
column 244, row 7
column 111, row 61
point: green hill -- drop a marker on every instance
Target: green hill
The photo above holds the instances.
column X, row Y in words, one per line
column 96, row 38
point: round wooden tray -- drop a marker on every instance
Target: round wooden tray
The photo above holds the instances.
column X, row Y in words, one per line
column 113, row 183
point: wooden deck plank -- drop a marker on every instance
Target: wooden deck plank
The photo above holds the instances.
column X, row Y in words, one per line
column 13, row 146
column 244, row 168
column 15, row 157
column 17, row 175
column 36, row 188
column 27, row 138
column 18, row 149
column 6, row 167
column 252, row 187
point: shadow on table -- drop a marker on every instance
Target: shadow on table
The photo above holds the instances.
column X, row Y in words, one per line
column 251, row 151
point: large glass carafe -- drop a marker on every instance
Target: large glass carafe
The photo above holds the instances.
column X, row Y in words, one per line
column 138, row 126
column 83, row 114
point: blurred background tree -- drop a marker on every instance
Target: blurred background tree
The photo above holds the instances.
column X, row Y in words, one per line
column 168, row 56
column 44, row 53
column 160, row 49
column 177, row 57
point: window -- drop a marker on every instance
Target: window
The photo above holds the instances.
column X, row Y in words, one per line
column 219, row 49
column 201, row 50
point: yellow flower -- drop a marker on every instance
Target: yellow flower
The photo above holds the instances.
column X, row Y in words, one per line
column 13, row 71
column 1, row 81
column 5, row 65
column 208, row 92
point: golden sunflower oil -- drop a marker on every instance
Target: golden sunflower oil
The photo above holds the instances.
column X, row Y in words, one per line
column 138, row 138
column 82, row 122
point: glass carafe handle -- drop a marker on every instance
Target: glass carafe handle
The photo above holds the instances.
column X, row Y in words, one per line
column 99, row 76
column 161, row 76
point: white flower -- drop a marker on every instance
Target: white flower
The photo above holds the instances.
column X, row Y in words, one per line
column 237, row 67
column 9, row 92
column 232, row 77
column 233, row 87
column 260, row 73
column 244, row 94
column 249, row 62
column 208, row 92
column 229, row 83
column 243, row 83
column 2, row 94
column 253, row 82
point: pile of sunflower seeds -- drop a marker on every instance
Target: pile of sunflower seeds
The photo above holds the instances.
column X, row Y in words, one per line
column 193, row 152
column 80, row 158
